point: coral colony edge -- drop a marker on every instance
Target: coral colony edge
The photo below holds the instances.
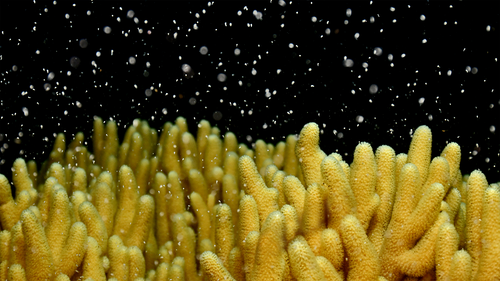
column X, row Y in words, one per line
column 180, row 206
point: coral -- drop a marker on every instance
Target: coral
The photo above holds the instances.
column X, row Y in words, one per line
column 170, row 205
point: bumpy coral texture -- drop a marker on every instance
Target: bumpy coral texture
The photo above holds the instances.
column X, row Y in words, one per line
column 168, row 205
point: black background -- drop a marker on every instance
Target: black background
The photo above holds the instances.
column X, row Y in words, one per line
column 300, row 74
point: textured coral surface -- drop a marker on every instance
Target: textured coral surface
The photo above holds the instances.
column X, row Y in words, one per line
column 170, row 205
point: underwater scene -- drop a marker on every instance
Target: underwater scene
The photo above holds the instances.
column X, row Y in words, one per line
column 266, row 140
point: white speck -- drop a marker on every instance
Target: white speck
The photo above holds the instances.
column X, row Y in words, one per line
column 186, row 68
column 26, row 111
column 314, row 19
column 448, row 73
column 377, row 51
column 221, row 77
column 360, row 119
column 98, row 54
column 203, row 50
column 424, row 41
column 348, row 12
column 290, row 45
column 328, row 31
column 237, row 52
column 107, row 29
column 373, row 89
column 492, row 128
column 356, row 35
column 421, row 101
column 130, row 14
column 348, row 63
column 66, row 16
column 488, row 28
column 132, row 60
column 422, row 17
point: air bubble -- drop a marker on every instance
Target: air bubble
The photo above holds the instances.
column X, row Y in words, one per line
column 203, row 50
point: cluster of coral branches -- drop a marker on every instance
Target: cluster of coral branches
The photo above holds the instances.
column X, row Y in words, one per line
column 171, row 206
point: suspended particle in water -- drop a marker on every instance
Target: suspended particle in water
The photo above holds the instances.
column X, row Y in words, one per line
column 51, row 76
column 47, row 87
column 217, row 115
column 74, row 62
column 130, row 14
column 107, row 29
column 132, row 60
column 360, row 119
column 15, row 67
column 148, row 92
column 348, row 63
column 84, row 43
column 203, row 50
column 377, row 51
column 221, row 77
column 373, row 89
column 237, row 52
column 25, row 111
column 192, row 101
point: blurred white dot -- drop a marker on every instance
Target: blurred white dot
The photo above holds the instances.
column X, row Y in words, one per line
column 348, row 12
column 25, row 111
column 107, row 29
column 422, row 17
column 488, row 28
column 390, row 57
column 237, row 51
column 47, row 86
column 360, row 119
column 430, row 117
column 98, row 54
column 421, row 101
column 290, row 45
column 130, row 14
column 474, row 70
column 492, row 128
column 373, row 89
column 468, row 69
column 66, row 16
column 340, row 135
column 328, row 31
column 424, row 41
column 448, row 73
column 348, row 63
column 15, row 68
column 221, row 77
column 192, row 101
column 84, row 43
column 217, row 115
column 314, row 19
column 356, row 35
column 203, row 50
column 377, row 51
column 254, row 71
column 164, row 111
column 148, row 92
column 51, row 76
column 132, row 60
column 186, row 68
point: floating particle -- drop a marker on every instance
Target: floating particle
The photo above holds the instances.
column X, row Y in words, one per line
column 377, row 51
column 203, row 50
column 132, row 60
column 217, row 115
column 373, row 89
column 360, row 119
column 237, row 52
column 74, row 62
column 148, row 92
column 130, row 14
column 192, row 101
column 84, row 43
column 348, row 63
column 221, row 77
column 107, row 29
column 50, row 76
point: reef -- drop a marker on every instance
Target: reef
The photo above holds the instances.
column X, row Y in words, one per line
column 169, row 205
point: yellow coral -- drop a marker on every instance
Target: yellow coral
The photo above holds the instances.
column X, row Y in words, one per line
column 169, row 206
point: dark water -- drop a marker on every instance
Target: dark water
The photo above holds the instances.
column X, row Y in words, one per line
column 363, row 71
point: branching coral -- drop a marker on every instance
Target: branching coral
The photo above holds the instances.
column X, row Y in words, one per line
column 171, row 206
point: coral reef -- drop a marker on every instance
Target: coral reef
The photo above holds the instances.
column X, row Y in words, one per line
column 169, row 205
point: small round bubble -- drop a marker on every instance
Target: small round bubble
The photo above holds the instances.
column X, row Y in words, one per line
column 373, row 89
column 50, row 76
column 132, row 60
column 148, row 92
column 204, row 50
column 130, row 14
column 221, row 77
column 237, row 52
column 186, row 68
column 217, row 115
column 192, row 101
column 360, row 119
column 348, row 63
column 74, row 62
column 83, row 43
column 107, row 29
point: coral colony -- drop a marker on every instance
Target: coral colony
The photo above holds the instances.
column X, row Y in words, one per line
column 169, row 205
